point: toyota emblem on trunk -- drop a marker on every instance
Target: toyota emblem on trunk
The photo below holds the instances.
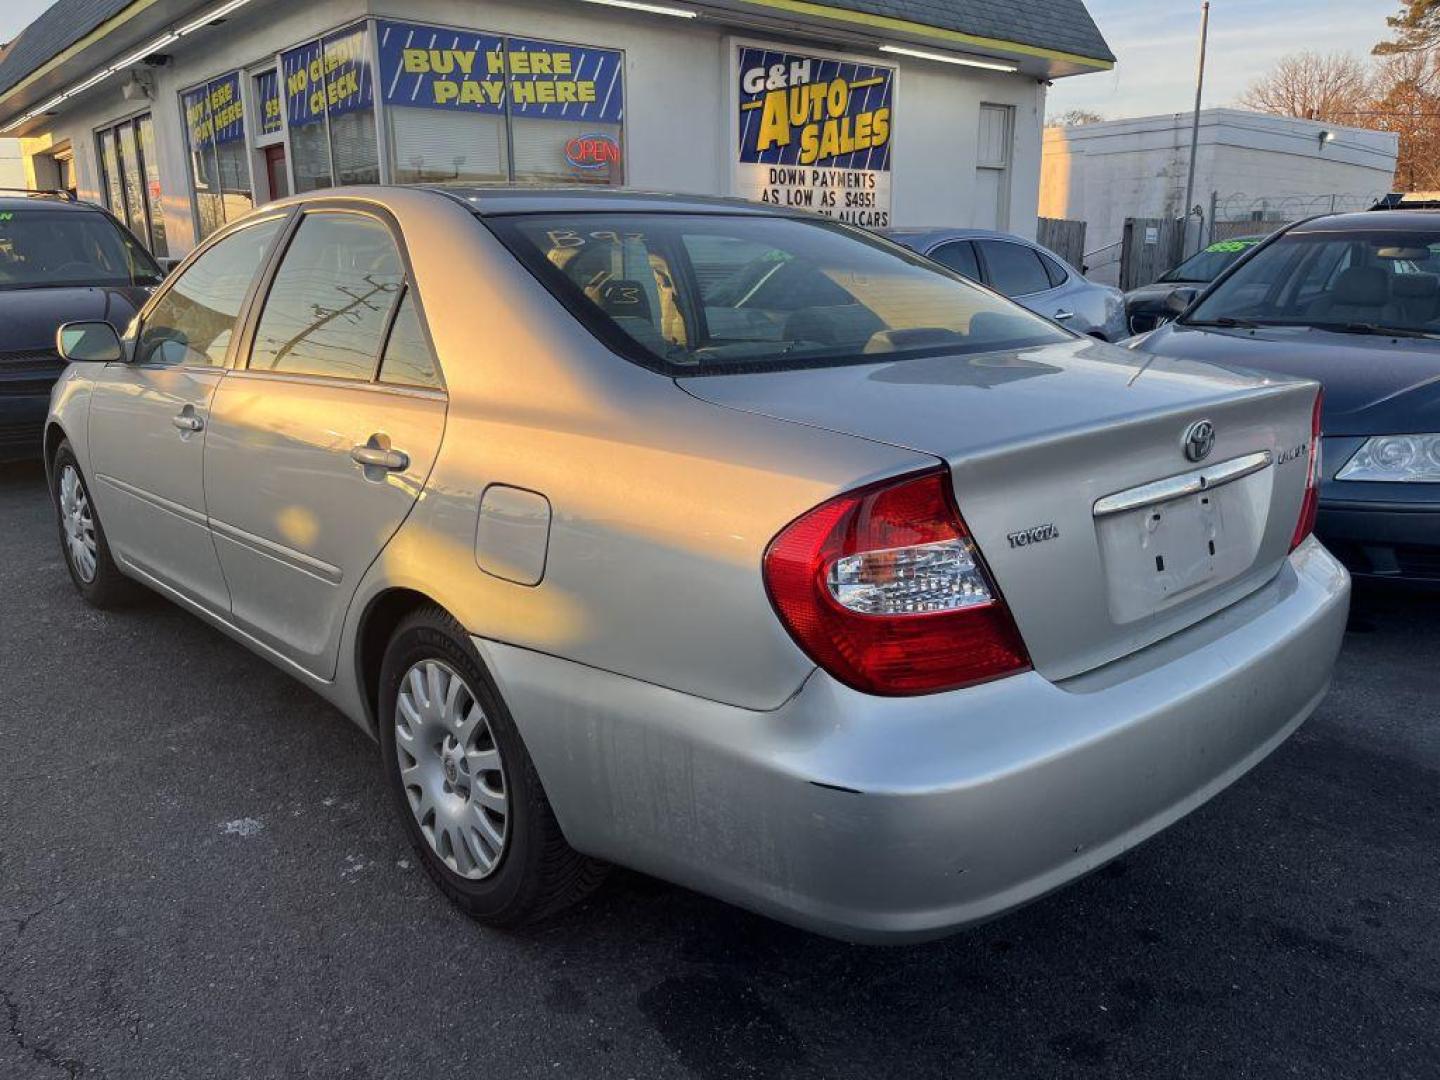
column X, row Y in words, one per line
column 1199, row 440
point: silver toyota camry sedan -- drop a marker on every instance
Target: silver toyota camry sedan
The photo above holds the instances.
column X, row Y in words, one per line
column 743, row 548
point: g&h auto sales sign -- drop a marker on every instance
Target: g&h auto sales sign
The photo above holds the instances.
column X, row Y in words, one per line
column 815, row 134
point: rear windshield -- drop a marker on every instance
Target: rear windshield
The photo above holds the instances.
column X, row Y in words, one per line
column 49, row 248
column 699, row 294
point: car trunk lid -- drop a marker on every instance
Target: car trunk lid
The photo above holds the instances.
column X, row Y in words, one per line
column 1070, row 470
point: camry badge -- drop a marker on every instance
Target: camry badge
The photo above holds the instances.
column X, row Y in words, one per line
column 1199, row 440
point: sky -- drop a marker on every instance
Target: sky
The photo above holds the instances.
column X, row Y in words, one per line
column 1154, row 41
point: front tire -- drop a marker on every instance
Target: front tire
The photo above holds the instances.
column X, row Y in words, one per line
column 82, row 537
column 464, row 786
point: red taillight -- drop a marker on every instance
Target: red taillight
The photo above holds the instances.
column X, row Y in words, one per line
column 1311, row 503
column 884, row 588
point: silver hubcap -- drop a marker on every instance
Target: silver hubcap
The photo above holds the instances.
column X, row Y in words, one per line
column 78, row 523
column 451, row 768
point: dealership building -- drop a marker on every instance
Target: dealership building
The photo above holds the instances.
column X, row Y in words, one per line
column 181, row 115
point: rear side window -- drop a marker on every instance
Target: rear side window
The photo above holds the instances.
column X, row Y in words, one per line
column 408, row 360
column 330, row 300
column 193, row 321
column 1015, row 269
column 958, row 255
column 1053, row 270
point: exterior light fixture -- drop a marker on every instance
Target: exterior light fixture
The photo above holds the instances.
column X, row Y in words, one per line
column 946, row 58
column 138, row 55
column 653, row 9
column 210, row 16
column 1325, row 137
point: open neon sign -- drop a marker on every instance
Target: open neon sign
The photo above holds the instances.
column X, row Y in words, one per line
column 594, row 151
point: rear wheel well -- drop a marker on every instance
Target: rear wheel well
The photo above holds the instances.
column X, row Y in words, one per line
column 377, row 626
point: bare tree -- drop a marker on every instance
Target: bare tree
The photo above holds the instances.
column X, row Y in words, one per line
column 1312, row 86
column 1075, row 118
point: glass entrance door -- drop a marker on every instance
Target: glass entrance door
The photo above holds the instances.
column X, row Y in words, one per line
column 132, row 180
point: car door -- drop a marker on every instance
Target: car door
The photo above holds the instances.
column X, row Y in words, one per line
column 148, row 417
column 319, row 443
column 1017, row 271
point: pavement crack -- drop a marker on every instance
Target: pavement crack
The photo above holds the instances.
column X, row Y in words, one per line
column 39, row 1049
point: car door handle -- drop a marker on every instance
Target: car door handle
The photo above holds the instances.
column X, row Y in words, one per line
column 1061, row 316
column 378, row 457
column 187, row 421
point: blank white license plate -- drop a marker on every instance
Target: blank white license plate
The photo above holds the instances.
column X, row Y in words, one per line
column 1161, row 552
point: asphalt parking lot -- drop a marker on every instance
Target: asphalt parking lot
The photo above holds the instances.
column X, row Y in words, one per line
column 200, row 877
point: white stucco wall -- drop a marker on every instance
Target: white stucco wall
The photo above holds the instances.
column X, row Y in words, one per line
column 678, row 106
column 1104, row 173
column 12, row 164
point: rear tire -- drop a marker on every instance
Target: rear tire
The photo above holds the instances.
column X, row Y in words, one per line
column 82, row 537
column 463, row 783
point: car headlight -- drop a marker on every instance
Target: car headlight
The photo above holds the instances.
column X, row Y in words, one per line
column 1396, row 458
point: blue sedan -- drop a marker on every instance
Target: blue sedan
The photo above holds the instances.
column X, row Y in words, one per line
column 1031, row 275
column 1354, row 301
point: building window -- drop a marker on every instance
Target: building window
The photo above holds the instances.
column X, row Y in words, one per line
column 131, row 179
column 470, row 106
column 219, row 158
column 992, row 167
column 330, row 111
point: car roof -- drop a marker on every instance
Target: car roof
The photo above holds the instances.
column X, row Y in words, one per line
column 949, row 233
column 43, row 202
column 1372, row 221
column 488, row 201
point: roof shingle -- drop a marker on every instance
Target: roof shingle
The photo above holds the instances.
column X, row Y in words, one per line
column 1063, row 25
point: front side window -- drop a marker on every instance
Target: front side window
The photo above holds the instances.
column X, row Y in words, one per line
column 671, row 291
column 331, row 299
column 42, row 249
column 1015, row 270
column 1353, row 281
column 193, row 321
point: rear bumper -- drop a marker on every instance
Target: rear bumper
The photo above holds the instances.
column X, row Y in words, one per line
column 894, row 819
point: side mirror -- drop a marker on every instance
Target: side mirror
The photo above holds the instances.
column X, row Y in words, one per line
column 1177, row 300
column 89, row 343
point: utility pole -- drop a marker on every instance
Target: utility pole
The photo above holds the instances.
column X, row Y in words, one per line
column 1195, row 127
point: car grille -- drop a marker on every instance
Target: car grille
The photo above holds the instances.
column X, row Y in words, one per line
column 30, row 372
column 43, row 361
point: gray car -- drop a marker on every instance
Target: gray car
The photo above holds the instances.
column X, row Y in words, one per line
column 739, row 547
column 1028, row 273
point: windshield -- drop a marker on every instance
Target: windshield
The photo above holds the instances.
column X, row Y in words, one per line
column 1206, row 265
column 49, row 248
column 1341, row 280
column 716, row 293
